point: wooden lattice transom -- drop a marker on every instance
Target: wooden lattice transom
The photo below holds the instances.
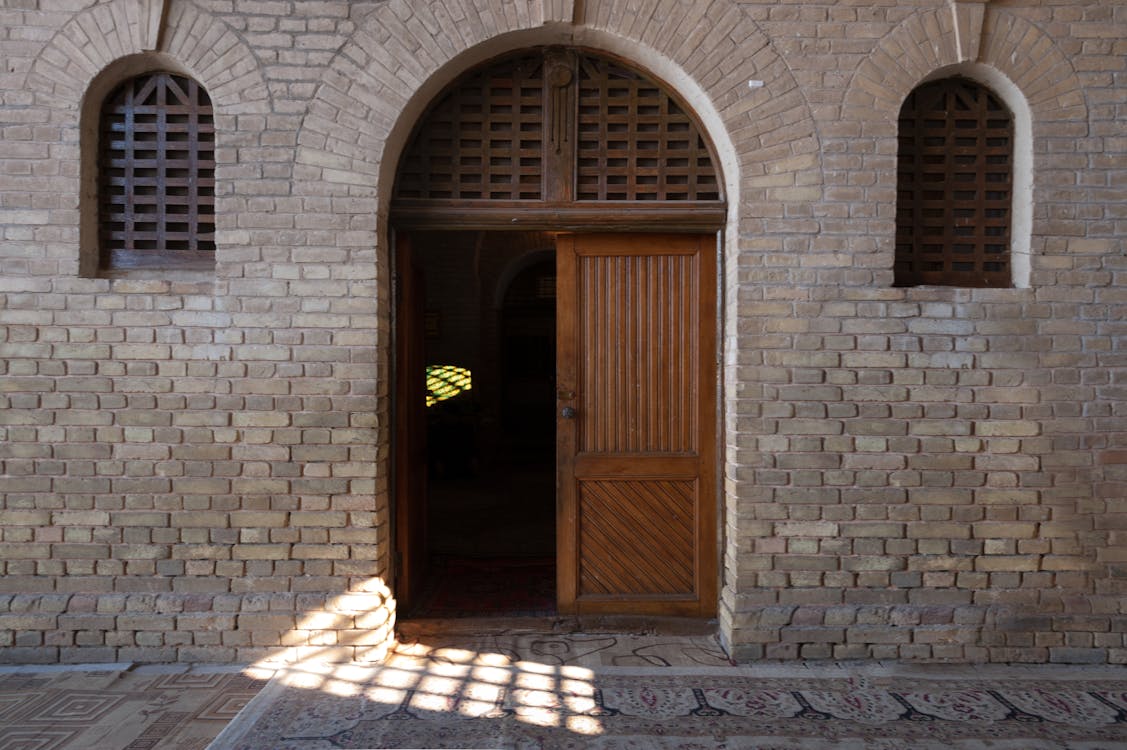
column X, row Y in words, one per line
column 635, row 141
column 157, row 174
column 954, row 187
column 483, row 140
column 561, row 127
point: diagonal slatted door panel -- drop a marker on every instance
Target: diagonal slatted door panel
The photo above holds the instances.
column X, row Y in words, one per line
column 638, row 535
column 636, row 357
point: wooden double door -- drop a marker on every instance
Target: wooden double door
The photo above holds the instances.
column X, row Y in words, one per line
column 635, row 426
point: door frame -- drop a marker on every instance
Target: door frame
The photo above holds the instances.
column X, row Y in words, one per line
column 539, row 85
column 408, row 500
column 408, row 419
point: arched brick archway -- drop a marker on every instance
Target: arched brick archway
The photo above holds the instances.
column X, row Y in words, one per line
column 565, row 139
column 98, row 38
column 401, row 57
column 101, row 47
column 1008, row 54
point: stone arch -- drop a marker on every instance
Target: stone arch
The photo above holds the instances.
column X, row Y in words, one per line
column 401, row 57
column 106, row 44
column 202, row 46
column 927, row 42
column 726, row 70
column 1014, row 59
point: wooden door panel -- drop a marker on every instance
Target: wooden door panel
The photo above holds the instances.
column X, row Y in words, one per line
column 638, row 338
column 636, row 357
column 410, row 428
column 637, row 537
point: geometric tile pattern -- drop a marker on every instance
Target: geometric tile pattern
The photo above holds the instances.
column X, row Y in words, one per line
column 158, row 730
column 28, row 738
column 184, row 680
column 10, row 704
column 76, row 706
column 142, row 709
column 226, row 707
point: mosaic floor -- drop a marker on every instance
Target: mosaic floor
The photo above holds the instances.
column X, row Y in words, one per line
column 537, row 691
column 115, row 707
column 449, row 686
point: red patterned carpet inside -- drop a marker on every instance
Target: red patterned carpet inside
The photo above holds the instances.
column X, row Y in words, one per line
column 460, row 586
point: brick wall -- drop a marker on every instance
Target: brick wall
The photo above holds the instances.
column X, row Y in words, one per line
column 197, row 468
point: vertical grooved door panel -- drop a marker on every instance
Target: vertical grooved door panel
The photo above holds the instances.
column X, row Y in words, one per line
column 639, row 335
column 636, row 354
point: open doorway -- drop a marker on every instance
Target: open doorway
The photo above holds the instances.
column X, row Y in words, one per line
column 560, row 152
column 488, row 307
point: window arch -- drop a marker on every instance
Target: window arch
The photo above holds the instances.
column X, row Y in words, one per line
column 955, row 186
column 156, row 175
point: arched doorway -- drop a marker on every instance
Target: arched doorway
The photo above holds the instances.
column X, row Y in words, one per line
column 569, row 150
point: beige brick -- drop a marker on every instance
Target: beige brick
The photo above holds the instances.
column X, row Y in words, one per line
column 267, row 622
column 1007, row 563
column 319, row 518
column 1007, row 429
column 179, row 445
column 1005, row 530
column 873, row 530
column 814, row 529
column 260, row 419
column 260, row 551
column 263, row 519
column 205, row 519
column 24, row 518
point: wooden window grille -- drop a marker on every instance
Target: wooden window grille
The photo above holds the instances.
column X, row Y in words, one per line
column 157, row 175
column 557, row 126
column 954, row 187
column 635, row 142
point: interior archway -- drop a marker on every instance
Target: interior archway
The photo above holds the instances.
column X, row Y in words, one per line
column 536, row 146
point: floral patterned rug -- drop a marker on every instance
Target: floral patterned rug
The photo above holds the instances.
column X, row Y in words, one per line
column 483, row 702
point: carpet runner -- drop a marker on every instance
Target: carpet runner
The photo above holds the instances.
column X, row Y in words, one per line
column 485, row 703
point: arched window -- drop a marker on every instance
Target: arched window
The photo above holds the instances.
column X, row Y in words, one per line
column 954, row 204
column 156, row 175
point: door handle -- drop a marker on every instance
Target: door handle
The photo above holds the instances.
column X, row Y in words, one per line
column 568, row 412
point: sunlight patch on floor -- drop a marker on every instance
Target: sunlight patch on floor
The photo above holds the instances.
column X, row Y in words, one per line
column 464, row 682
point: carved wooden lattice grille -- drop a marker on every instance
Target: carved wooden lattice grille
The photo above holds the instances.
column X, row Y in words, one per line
column 954, row 187
column 635, row 142
column 483, row 139
column 157, row 174
column 489, row 137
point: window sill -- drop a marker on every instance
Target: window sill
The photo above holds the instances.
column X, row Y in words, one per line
column 160, row 281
